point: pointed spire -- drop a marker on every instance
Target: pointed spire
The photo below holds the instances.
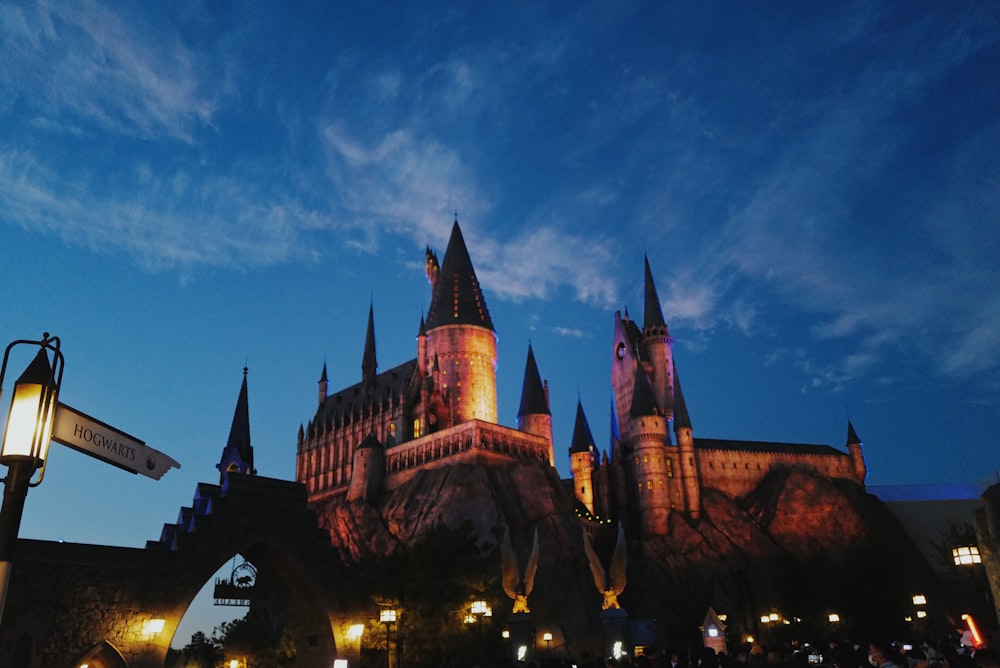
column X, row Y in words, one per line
column 852, row 436
column 643, row 401
column 615, row 432
column 583, row 440
column 653, row 315
column 456, row 298
column 238, row 453
column 533, row 401
column 681, row 418
column 323, row 378
column 369, row 364
column 423, row 327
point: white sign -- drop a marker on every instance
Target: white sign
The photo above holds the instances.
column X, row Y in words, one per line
column 97, row 439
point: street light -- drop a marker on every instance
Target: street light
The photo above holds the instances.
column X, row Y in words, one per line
column 387, row 616
column 477, row 611
column 547, row 637
column 26, row 441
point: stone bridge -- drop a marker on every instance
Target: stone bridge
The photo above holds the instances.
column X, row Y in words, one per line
column 72, row 604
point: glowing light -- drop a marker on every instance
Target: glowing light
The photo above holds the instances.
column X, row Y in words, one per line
column 505, row 634
column 977, row 639
column 616, row 649
column 919, row 599
column 749, row 640
column 713, row 632
column 966, row 555
column 773, row 617
column 355, row 631
column 921, row 614
column 152, row 627
column 522, row 652
column 833, row 617
column 340, row 663
column 387, row 615
column 547, row 637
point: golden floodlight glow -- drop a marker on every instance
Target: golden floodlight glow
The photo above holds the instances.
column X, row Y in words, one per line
column 547, row 637
column 919, row 599
column 152, row 627
column 921, row 614
column 764, row 619
column 773, row 617
column 505, row 634
column 387, row 615
column 355, row 631
column 749, row 640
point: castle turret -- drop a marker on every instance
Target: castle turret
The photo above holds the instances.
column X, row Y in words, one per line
column 685, row 445
column 854, row 449
column 422, row 347
column 646, row 436
column 324, row 384
column 534, row 415
column 367, row 471
column 581, row 460
column 369, row 364
column 460, row 335
column 658, row 347
column 238, row 454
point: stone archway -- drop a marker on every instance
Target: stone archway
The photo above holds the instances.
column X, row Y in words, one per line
column 73, row 599
column 103, row 655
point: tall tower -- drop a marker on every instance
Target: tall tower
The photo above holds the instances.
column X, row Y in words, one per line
column 685, row 444
column 324, row 385
column 534, row 415
column 460, row 335
column 645, row 439
column 658, row 346
column 582, row 454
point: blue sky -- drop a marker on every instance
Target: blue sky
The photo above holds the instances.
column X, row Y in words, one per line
column 189, row 187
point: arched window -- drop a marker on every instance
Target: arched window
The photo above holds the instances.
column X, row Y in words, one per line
column 416, row 428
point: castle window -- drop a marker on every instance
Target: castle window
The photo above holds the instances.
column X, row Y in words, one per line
column 645, row 459
column 416, row 428
column 670, row 468
column 659, row 483
column 392, row 430
column 640, row 487
column 649, row 484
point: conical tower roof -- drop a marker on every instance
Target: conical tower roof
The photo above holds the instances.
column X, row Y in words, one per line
column 852, row 436
column 652, row 314
column 643, row 400
column 533, row 401
column 583, row 440
column 238, row 453
column 369, row 364
column 457, row 298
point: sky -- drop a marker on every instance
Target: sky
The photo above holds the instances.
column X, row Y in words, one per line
column 189, row 188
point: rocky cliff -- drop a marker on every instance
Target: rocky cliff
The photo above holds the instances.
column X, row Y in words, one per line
column 801, row 545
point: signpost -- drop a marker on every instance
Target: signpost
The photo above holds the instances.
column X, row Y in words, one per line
column 95, row 438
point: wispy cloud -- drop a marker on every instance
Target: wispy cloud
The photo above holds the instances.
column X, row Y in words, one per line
column 83, row 64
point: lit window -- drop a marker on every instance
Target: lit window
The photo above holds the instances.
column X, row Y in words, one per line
column 967, row 555
column 416, row 428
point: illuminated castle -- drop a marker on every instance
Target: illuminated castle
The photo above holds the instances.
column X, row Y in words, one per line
column 441, row 407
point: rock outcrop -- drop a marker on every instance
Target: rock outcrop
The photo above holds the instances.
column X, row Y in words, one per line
column 799, row 538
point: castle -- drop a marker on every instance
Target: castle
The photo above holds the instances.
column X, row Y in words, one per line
column 441, row 407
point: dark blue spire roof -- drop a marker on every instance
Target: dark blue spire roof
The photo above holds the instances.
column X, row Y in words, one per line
column 533, row 401
column 457, row 298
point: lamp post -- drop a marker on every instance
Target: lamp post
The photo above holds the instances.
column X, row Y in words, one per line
column 26, row 441
column 547, row 637
column 478, row 610
column 387, row 616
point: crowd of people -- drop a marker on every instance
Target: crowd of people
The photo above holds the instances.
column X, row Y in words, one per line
column 958, row 653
